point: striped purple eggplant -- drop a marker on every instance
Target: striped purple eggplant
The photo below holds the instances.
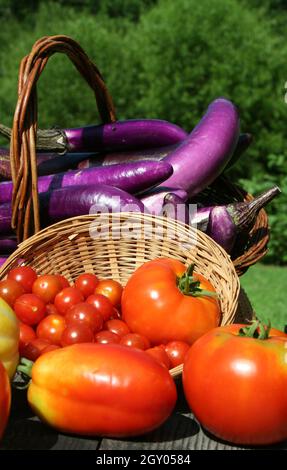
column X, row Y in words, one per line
column 133, row 177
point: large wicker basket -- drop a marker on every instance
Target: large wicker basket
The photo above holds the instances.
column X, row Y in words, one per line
column 25, row 215
column 114, row 245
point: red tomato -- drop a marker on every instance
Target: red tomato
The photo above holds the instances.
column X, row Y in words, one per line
column 30, row 309
column 134, row 340
column 116, row 314
column 47, row 287
column 236, row 386
column 5, row 399
column 110, row 289
column 86, row 283
column 176, row 351
column 10, row 290
column 50, row 347
column 27, row 334
column 77, row 333
column 85, row 314
column 159, row 354
column 102, row 304
column 25, row 275
column 164, row 302
column 34, row 348
column 107, row 337
column 101, row 390
column 51, row 310
column 51, row 328
column 117, row 326
column 67, row 298
column 63, row 280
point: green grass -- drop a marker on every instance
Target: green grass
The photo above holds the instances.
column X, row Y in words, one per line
column 265, row 287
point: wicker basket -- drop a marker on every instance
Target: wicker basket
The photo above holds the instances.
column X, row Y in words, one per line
column 122, row 242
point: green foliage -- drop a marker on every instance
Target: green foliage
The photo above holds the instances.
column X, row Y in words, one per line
column 166, row 59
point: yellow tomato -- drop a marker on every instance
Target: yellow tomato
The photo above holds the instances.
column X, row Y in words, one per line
column 9, row 338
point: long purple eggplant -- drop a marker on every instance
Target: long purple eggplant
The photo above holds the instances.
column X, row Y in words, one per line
column 74, row 201
column 48, row 163
column 174, row 207
column 3, row 260
column 226, row 222
column 203, row 155
column 244, row 142
column 7, row 244
column 133, row 177
column 120, row 135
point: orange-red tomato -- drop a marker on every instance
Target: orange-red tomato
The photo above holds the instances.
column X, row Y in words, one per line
column 67, row 298
column 176, row 351
column 156, row 304
column 117, row 326
column 30, row 309
column 35, row 348
column 110, row 289
column 107, row 337
column 63, row 280
column 47, row 287
column 25, row 275
column 51, row 328
column 109, row 385
column 27, row 334
column 5, row 399
column 10, row 290
column 87, row 314
column 135, row 340
column 86, row 283
column 75, row 333
column 158, row 353
column 102, row 305
column 236, row 386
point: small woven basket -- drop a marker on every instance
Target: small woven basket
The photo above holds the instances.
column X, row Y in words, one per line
column 114, row 245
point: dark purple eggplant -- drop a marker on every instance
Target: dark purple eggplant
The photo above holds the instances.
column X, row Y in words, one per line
column 174, row 207
column 74, row 201
column 120, row 135
column 226, row 222
column 8, row 244
column 133, row 177
column 244, row 142
column 203, row 155
column 3, row 260
column 48, row 163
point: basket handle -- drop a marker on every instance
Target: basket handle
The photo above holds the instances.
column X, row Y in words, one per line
column 25, row 199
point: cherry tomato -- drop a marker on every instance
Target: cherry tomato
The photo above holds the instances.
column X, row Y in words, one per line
column 25, row 275
column 51, row 328
column 117, row 326
column 63, row 280
column 77, row 333
column 34, row 348
column 86, row 283
column 110, row 289
column 51, row 310
column 27, row 334
column 159, row 354
column 87, row 314
column 177, row 351
column 116, row 314
column 102, row 304
column 50, row 347
column 10, row 290
column 30, row 309
column 67, row 298
column 47, row 287
column 135, row 340
column 107, row 337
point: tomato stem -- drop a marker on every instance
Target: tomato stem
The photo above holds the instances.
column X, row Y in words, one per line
column 190, row 286
column 257, row 330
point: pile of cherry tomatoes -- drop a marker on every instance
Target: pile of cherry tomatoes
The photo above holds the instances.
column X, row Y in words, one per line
column 54, row 314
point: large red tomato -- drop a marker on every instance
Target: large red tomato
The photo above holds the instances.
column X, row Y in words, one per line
column 5, row 399
column 109, row 390
column 236, row 385
column 164, row 302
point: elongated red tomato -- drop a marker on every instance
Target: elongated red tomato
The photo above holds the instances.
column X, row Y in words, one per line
column 5, row 399
column 236, row 385
column 164, row 302
column 109, row 390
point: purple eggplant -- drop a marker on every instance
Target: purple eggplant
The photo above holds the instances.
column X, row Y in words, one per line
column 133, row 177
column 174, row 207
column 120, row 135
column 8, row 244
column 156, row 200
column 48, row 163
column 74, row 201
column 226, row 222
column 203, row 155
column 244, row 142
column 3, row 260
